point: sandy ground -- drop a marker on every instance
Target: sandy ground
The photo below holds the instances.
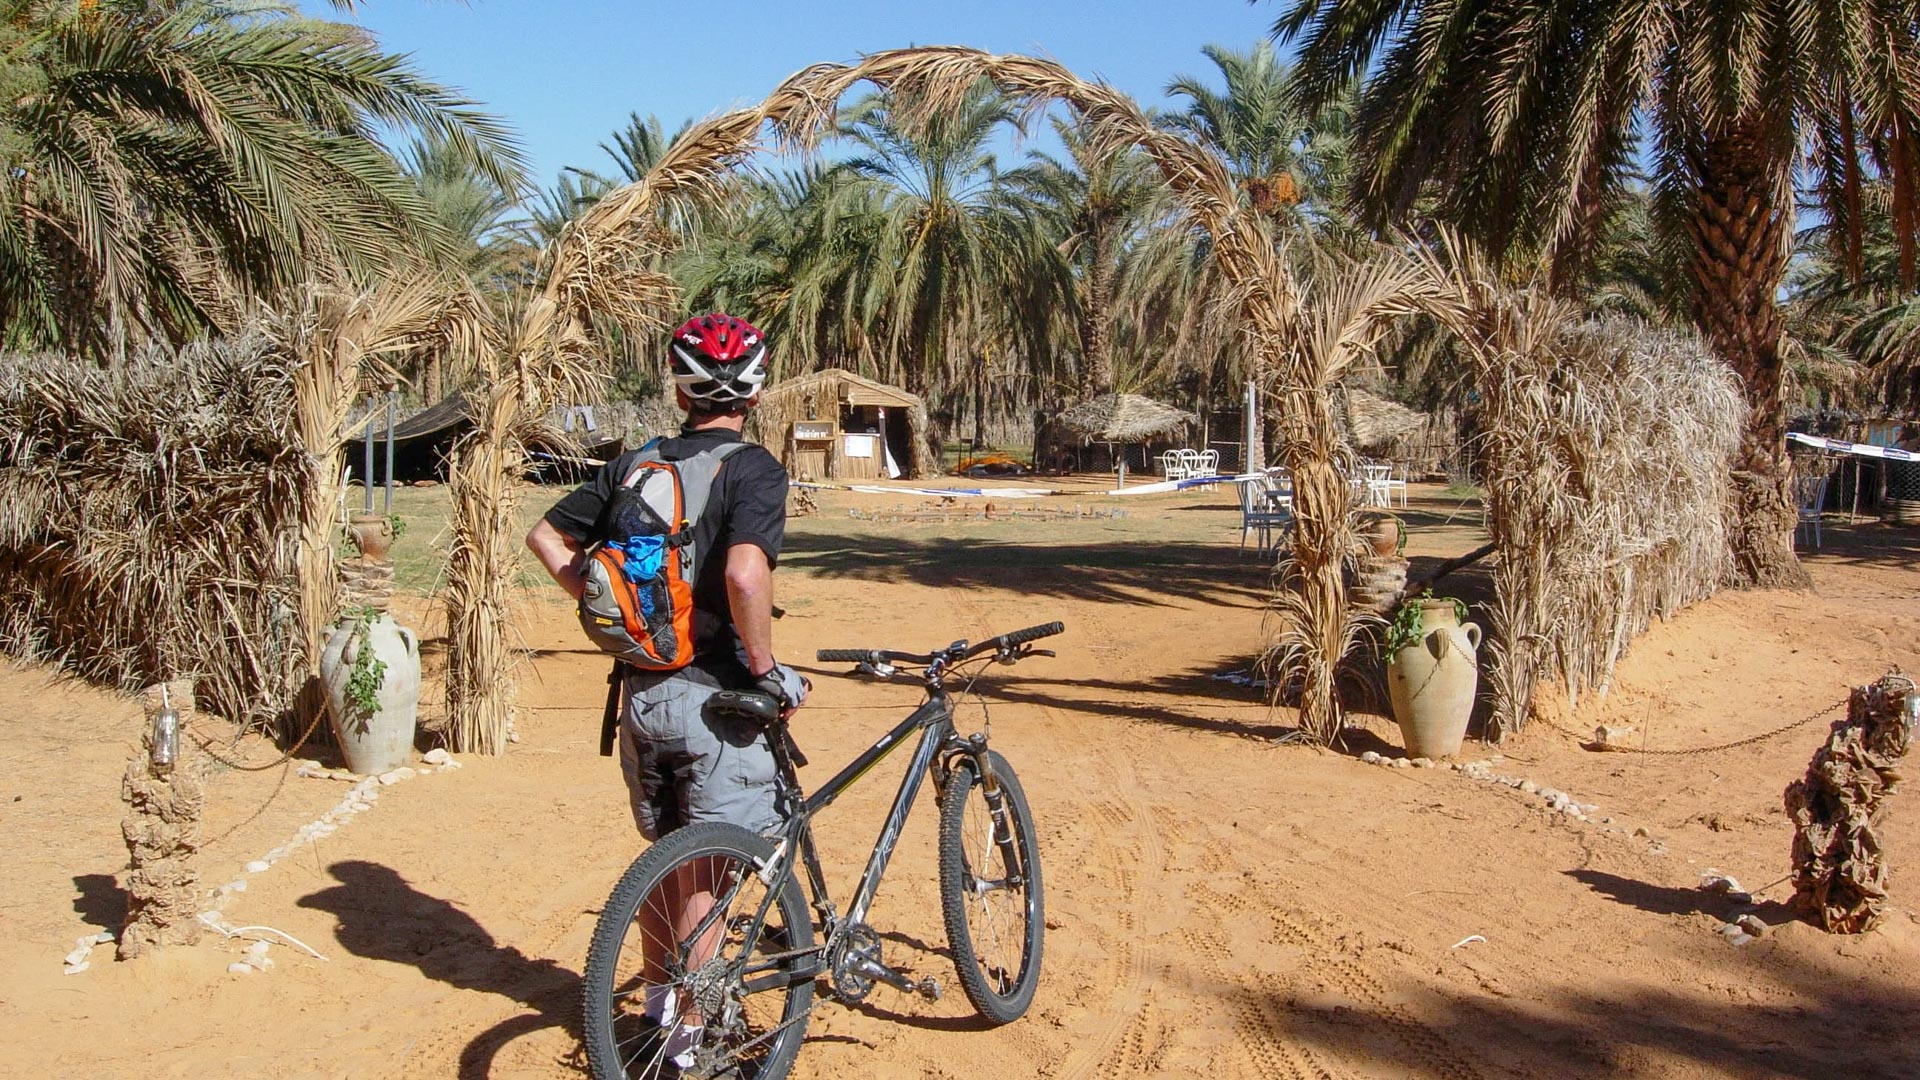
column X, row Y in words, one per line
column 1218, row 905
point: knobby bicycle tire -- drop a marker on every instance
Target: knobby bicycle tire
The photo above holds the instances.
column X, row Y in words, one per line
column 1001, row 997
column 615, row 1037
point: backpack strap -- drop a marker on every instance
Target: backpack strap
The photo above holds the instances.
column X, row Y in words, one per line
column 698, row 473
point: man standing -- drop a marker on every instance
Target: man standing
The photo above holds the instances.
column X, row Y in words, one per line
column 680, row 766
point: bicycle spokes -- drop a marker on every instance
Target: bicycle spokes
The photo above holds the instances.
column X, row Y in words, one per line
column 701, row 943
column 996, row 908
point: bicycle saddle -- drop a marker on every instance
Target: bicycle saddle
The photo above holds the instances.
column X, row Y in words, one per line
column 744, row 705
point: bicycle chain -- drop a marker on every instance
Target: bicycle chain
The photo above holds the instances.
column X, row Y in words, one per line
column 1613, row 748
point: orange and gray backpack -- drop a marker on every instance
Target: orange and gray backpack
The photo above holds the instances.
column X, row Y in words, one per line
column 637, row 603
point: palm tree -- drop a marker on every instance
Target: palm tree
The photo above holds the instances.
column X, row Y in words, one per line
column 1087, row 208
column 942, row 244
column 1524, row 123
column 484, row 241
column 163, row 163
column 1284, row 157
column 483, row 245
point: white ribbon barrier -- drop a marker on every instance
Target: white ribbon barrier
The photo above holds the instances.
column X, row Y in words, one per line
column 1841, row 446
column 1160, row 488
column 1181, row 485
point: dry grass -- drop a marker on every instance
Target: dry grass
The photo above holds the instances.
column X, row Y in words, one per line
column 179, row 518
column 1344, row 309
column 150, row 521
column 1605, row 455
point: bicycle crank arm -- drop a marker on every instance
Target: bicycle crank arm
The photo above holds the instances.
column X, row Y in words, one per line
column 928, row 987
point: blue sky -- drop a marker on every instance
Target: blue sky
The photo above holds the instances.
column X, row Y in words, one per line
column 565, row 73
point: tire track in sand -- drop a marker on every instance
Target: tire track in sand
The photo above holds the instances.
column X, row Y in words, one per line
column 1252, row 1000
column 1329, row 960
column 1124, row 1009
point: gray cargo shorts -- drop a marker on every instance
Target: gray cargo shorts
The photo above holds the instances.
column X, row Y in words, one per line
column 682, row 767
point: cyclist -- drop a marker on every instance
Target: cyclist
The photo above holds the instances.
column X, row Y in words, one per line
column 680, row 766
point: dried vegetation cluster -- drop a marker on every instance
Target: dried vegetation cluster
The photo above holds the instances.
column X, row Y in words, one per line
column 1839, row 860
column 1605, row 452
column 150, row 520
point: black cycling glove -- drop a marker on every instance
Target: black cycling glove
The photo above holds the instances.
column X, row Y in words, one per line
column 785, row 685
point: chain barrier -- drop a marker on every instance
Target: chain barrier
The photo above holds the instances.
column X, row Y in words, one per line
column 1614, row 748
column 206, row 745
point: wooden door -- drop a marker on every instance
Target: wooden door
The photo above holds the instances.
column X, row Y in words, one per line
column 810, row 462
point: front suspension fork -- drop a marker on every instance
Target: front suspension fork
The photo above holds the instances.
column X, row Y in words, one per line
column 976, row 749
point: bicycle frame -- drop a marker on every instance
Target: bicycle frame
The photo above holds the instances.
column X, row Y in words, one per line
column 939, row 742
column 934, row 720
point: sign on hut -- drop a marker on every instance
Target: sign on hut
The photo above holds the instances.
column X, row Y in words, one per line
column 835, row 425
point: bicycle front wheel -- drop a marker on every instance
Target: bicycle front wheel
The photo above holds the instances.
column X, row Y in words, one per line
column 694, row 968
column 990, row 889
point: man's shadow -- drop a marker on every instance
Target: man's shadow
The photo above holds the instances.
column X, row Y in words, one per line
column 384, row 918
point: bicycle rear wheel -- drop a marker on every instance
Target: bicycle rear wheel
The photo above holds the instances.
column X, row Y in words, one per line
column 748, row 989
column 990, row 890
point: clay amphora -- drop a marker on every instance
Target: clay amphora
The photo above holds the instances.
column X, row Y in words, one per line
column 1382, row 535
column 1432, row 682
column 372, row 534
column 384, row 740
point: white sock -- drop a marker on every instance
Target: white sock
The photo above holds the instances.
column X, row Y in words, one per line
column 681, row 1044
column 659, row 1004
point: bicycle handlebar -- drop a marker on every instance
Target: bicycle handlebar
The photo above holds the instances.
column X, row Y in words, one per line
column 1017, row 637
column 996, row 644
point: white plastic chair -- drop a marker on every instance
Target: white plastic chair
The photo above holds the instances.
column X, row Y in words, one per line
column 1189, row 463
column 1371, row 484
column 1259, row 514
column 1209, row 463
column 1811, row 494
column 1396, row 481
column 1171, row 466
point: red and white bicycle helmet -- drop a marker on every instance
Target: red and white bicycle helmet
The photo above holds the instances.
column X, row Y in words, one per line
column 718, row 360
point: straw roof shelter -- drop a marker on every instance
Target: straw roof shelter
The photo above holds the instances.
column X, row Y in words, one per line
column 1126, row 418
column 834, row 424
column 1372, row 422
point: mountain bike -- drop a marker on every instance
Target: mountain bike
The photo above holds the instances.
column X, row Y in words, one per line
column 711, row 926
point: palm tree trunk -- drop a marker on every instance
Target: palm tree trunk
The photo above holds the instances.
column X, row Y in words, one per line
column 1739, row 234
column 432, row 378
column 1096, row 349
column 914, row 367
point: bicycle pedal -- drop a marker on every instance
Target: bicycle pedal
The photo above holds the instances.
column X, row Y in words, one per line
column 928, row 988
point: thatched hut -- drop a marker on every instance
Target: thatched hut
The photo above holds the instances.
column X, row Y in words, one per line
column 1377, row 427
column 835, row 425
column 1098, row 433
column 1371, row 423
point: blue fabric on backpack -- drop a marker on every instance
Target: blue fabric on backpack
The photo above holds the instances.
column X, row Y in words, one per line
column 640, row 559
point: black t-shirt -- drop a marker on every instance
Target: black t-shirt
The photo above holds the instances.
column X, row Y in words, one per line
column 748, row 505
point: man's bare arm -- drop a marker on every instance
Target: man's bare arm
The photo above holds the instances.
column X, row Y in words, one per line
column 560, row 554
column 750, row 596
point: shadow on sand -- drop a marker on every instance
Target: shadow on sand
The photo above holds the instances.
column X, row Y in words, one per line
column 382, row 917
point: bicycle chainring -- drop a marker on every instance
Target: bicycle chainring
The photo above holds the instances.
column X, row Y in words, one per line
column 850, row 983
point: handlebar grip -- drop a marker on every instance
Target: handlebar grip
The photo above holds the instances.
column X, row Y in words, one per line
column 848, row 656
column 1032, row 633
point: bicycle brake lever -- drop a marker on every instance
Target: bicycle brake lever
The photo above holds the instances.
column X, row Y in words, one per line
column 1015, row 655
column 881, row 670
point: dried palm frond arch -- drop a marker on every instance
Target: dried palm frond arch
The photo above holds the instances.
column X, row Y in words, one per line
column 597, row 269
